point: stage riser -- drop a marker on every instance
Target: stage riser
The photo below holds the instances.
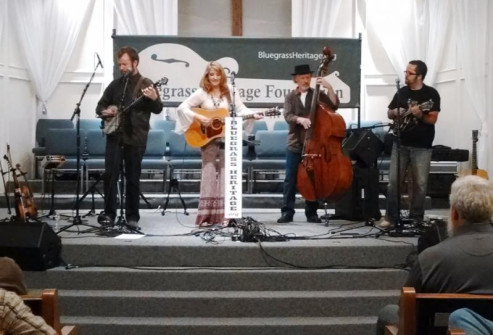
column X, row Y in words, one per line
column 226, row 326
column 243, row 255
column 139, row 304
column 220, row 280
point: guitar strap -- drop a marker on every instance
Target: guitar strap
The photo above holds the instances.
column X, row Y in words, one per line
column 137, row 87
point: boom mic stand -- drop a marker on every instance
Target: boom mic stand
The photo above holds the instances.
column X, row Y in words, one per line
column 77, row 220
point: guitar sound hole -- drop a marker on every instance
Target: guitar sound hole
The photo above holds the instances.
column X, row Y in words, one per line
column 216, row 124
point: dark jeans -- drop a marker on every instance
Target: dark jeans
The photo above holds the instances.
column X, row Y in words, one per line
column 293, row 160
column 417, row 163
column 132, row 159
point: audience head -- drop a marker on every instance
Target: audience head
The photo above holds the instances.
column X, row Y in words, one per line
column 11, row 276
column 471, row 202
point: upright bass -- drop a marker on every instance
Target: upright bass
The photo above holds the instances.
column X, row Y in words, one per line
column 324, row 172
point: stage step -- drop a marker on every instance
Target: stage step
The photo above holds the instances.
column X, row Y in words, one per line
column 220, row 279
column 362, row 325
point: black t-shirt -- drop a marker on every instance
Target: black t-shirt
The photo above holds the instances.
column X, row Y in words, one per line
column 422, row 135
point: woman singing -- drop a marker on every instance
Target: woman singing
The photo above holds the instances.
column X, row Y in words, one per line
column 213, row 93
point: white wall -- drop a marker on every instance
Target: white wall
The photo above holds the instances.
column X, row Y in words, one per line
column 266, row 18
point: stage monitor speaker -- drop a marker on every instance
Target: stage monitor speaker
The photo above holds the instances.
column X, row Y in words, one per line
column 363, row 146
column 33, row 245
column 360, row 201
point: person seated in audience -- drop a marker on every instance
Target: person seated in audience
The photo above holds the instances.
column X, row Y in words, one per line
column 470, row 322
column 448, row 267
column 15, row 316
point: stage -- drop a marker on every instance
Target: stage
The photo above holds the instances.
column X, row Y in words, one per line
column 177, row 279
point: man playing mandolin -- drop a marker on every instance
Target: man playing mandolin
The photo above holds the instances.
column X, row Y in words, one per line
column 128, row 140
column 414, row 110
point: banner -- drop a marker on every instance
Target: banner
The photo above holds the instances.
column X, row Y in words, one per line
column 263, row 66
column 233, row 168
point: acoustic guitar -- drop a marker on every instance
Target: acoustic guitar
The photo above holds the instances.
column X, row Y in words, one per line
column 198, row 135
column 474, row 161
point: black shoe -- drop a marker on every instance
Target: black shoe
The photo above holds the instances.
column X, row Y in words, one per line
column 105, row 220
column 314, row 219
column 285, row 218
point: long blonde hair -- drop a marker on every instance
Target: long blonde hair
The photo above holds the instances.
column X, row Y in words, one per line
column 206, row 85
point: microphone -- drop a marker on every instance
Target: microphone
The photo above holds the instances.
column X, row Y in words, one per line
column 233, row 77
column 99, row 61
column 127, row 73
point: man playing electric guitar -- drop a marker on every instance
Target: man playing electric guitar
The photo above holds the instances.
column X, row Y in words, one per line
column 415, row 142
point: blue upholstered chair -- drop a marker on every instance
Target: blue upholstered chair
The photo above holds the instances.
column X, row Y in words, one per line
column 90, row 124
column 96, row 148
column 181, row 155
column 281, row 125
column 270, row 155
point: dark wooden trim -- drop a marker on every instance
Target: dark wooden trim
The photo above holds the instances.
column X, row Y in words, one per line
column 237, row 17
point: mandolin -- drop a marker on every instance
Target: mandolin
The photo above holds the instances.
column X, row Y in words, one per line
column 407, row 120
column 198, row 135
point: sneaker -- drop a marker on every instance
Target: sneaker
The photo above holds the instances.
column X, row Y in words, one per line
column 383, row 223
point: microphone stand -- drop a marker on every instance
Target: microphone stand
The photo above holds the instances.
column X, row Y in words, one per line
column 399, row 223
column 7, row 199
column 77, row 220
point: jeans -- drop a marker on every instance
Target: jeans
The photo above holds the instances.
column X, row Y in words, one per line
column 132, row 161
column 470, row 322
column 293, row 160
column 416, row 161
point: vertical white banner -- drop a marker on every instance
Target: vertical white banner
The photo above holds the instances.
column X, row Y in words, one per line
column 233, row 152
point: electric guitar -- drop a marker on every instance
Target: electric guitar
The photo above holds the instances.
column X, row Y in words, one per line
column 112, row 123
column 406, row 120
column 198, row 135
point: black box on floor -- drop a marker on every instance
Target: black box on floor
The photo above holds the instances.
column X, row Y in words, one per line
column 33, row 245
column 360, row 201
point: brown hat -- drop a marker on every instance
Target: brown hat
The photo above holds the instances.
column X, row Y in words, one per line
column 11, row 276
column 301, row 69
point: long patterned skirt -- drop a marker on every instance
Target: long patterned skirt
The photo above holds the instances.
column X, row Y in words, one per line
column 211, row 204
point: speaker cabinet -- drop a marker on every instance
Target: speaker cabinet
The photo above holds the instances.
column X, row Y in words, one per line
column 360, row 201
column 363, row 146
column 33, row 245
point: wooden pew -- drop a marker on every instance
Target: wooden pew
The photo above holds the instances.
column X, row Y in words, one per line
column 45, row 304
column 427, row 313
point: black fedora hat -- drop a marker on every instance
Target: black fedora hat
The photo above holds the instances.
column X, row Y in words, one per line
column 301, row 69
